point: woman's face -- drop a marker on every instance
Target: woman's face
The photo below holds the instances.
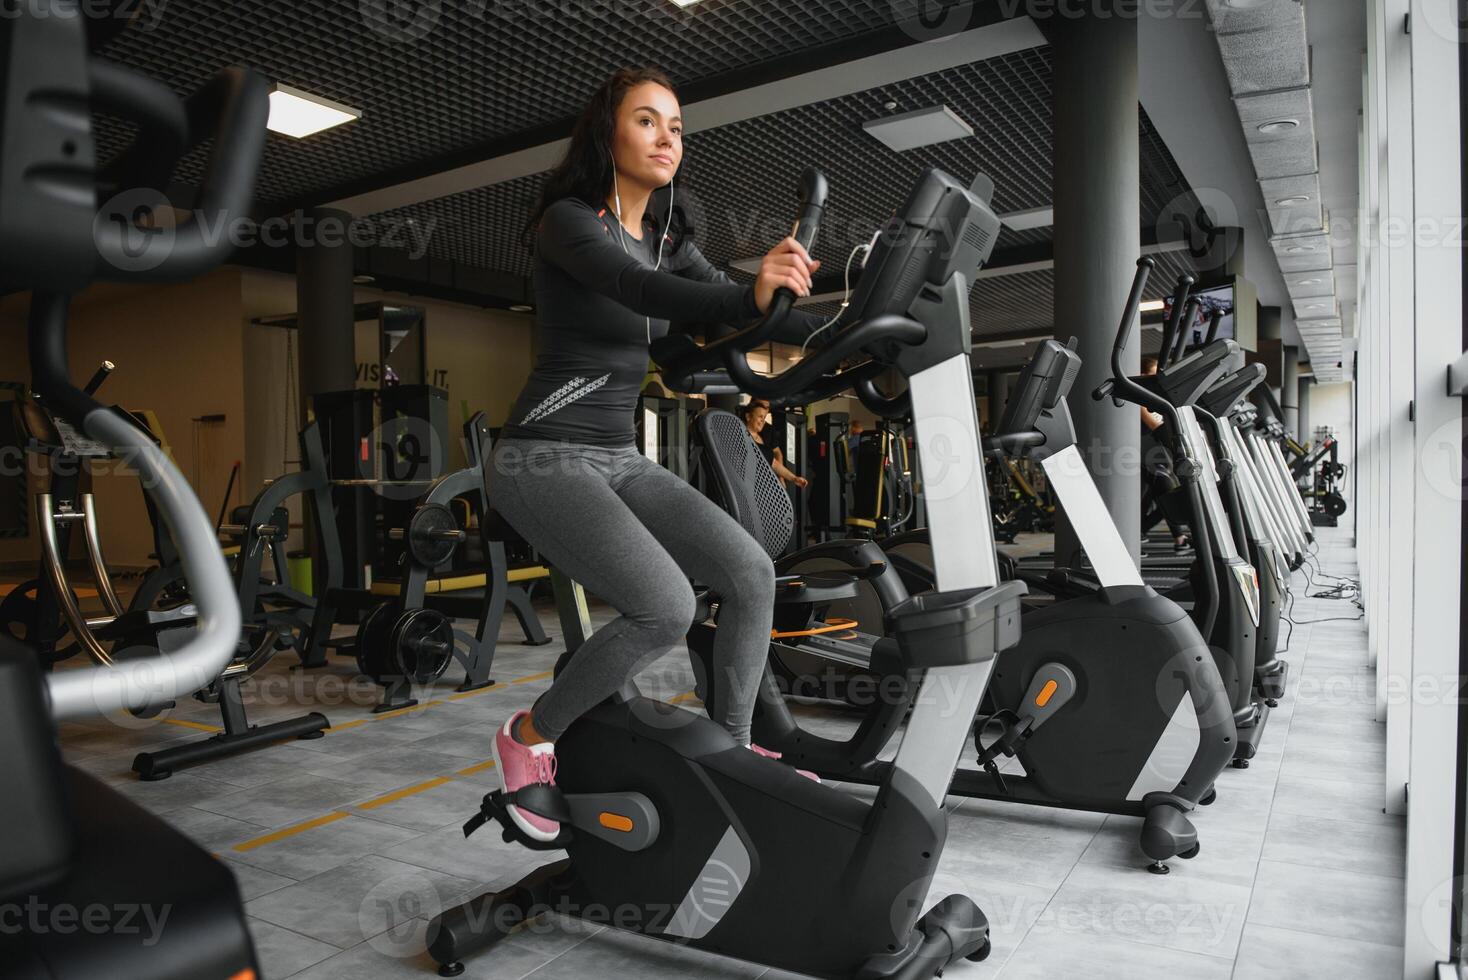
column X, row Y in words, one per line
column 759, row 417
column 647, row 143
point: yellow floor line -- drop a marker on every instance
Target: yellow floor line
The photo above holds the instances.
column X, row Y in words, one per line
column 474, row 694
column 684, row 698
column 192, row 724
column 403, row 793
column 476, row 769
column 534, row 677
column 299, row 828
column 348, row 724
column 408, row 710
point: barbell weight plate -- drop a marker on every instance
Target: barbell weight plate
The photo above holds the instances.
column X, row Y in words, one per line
column 427, row 547
column 423, row 644
column 373, row 647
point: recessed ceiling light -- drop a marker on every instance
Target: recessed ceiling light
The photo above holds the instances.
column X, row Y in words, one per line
column 1153, row 306
column 1279, row 126
column 1297, row 249
column 1309, row 282
column 921, row 127
column 300, row 114
column 1289, row 202
column 685, row 3
column 522, row 308
column 364, row 280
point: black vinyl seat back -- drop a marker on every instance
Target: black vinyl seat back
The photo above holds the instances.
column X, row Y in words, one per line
column 747, row 485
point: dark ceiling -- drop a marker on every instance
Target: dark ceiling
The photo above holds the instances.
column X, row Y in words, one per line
column 448, row 84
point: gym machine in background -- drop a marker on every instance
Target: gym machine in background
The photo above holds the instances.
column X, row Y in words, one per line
column 885, row 492
column 384, row 448
column 662, row 423
column 830, row 472
column 405, row 635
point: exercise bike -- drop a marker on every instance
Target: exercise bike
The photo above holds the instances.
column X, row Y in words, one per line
column 1110, row 700
column 676, row 831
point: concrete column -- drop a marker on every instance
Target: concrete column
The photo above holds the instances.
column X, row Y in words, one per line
column 1289, row 392
column 1097, row 242
column 324, row 300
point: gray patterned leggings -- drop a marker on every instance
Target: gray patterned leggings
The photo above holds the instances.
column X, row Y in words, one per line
column 633, row 533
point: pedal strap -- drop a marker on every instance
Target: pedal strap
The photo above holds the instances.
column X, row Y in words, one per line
column 1012, row 730
column 538, row 798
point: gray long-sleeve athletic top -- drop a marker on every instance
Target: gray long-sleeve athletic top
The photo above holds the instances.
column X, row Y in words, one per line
column 593, row 304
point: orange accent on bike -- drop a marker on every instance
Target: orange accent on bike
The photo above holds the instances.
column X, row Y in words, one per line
column 1046, row 693
column 834, row 626
column 615, row 821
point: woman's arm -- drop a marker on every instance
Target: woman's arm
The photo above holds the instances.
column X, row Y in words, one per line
column 798, row 324
column 573, row 238
column 786, row 473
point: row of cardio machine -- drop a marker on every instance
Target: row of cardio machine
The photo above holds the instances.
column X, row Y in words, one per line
column 1132, row 685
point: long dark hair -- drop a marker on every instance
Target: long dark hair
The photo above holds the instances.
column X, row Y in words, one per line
column 586, row 171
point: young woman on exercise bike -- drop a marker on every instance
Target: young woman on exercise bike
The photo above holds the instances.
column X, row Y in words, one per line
column 566, row 474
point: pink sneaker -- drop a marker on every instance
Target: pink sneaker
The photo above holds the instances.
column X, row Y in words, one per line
column 521, row 765
column 762, row 751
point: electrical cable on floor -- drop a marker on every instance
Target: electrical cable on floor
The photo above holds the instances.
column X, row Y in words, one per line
column 1344, row 589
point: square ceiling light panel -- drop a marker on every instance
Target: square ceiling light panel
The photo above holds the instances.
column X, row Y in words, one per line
column 921, row 127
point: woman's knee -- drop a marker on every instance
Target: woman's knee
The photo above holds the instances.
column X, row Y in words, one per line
column 667, row 617
column 750, row 578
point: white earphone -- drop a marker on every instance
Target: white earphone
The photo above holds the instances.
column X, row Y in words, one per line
column 622, row 230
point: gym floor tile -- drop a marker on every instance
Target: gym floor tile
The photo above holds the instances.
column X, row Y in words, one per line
column 1324, row 760
column 1327, row 902
column 1011, row 907
column 1269, row 953
column 318, row 849
column 1052, row 952
column 366, row 961
column 1226, row 854
column 1314, row 840
column 295, row 798
column 402, row 765
column 485, row 857
column 1359, row 799
column 430, row 807
column 1180, row 911
column 253, row 882
column 612, row 953
column 371, row 896
column 282, row 953
column 213, row 831
column 181, row 789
